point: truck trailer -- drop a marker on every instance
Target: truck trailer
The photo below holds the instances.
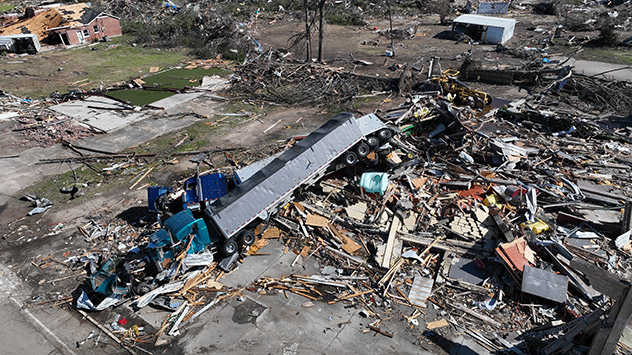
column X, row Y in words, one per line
column 232, row 217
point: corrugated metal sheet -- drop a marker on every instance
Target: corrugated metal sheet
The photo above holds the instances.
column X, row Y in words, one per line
column 420, row 291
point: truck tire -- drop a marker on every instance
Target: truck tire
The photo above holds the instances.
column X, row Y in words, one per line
column 372, row 141
column 230, row 247
column 144, row 287
column 479, row 104
column 247, row 238
column 350, row 158
column 385, row 134
column 362, row 150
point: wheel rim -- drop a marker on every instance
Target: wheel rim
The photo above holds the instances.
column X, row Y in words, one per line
column 249, row 239
column 385, row 134
column 229, row 247
column 363, row 150
column 350, row 159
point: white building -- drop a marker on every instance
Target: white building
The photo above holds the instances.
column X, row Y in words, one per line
column 494, row 30
column 487, row 6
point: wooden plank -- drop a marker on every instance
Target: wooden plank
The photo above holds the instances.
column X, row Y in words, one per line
column 600, row 279
column 614, row 333
column 437, row 324
column 316, row 221
column 390, row 243
column 482, row 317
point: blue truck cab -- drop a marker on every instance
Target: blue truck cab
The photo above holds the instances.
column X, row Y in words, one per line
column 206, row 188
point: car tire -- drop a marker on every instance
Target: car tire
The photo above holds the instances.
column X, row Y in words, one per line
column 479, row 104
column 144, row 287
column 362, row 150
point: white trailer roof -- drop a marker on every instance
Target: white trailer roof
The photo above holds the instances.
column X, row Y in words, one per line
column 485, row 20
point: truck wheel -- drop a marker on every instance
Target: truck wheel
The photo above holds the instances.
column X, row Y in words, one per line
column 144, row 287
column 362, row 150
column 373, row 162
column 230, row 247
column 372, row 141
column 350, row 158
column 247, row 238
column 385, row 134
column 479, row 104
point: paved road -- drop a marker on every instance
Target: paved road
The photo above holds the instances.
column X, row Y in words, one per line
column 41, row 330
column 588, row 67
column 23, row 171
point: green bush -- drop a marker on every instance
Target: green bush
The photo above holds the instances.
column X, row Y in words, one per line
column 607, row 35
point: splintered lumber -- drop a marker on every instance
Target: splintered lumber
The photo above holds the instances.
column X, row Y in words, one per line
column 142, row 177
column 391, row 271
column 106, row 331
column 396, row 223
column 197, row 279
column 349, row 257
column 482, row 317
column 96, row 157
column 194, row 152
column 352, row 295
column 378, row 330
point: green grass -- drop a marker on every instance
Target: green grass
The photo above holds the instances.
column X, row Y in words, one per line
column 85, row 68
column 170, row 79
column 140, row 97
column 616, row 55
column 6, row 7
column 181, row 77
column 49, row 188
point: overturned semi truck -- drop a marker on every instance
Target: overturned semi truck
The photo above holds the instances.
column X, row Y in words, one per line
column 231, row 218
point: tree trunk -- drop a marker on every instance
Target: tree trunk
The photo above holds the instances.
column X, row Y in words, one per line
column 308, row 37
column 321, row 30
column 390, row 25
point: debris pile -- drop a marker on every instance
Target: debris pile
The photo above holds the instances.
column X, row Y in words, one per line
column 36, row 124
column 505, row 232
column 510, row 225
column 287, row 83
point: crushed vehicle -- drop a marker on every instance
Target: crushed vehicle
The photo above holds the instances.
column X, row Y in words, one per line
column 447, row 83
column 340, row 142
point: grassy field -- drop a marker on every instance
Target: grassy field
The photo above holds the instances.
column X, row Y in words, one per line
column 170, row 79
column 84, row 68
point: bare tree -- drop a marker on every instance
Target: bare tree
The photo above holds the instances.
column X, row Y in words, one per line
column 308, row 31
column 321, row 30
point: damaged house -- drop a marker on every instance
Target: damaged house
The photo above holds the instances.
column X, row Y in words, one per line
column 487, row 7
column 83, row 24
column 68, row 24
column 24, row 36
column 487, row 29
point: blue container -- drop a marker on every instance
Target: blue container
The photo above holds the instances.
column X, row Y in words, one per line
column 374, row 182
